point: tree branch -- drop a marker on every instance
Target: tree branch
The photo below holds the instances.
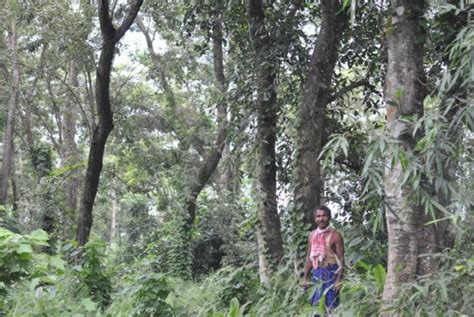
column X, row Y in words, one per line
column 344, row 90
column 106, row 27
column 135, row 7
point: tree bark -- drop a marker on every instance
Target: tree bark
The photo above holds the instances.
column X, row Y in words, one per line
column 404, row 95
column 212, row 158
column 110, row 37
column 264, row 270
column 70, row 153
column 10, row 122
column 266, row 110
column 227, row 176
column 29, row 101
column 113, row 220
column 316, row 96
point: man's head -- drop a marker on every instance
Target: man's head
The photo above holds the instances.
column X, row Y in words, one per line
column 322, row 216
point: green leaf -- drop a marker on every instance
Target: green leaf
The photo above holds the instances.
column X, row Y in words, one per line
column 57, row 262
column 5, row 233
column 459, row 267
column 24, row 248
column 380, row 275
column 89, row 305
column 234, row 308
column 39, row 235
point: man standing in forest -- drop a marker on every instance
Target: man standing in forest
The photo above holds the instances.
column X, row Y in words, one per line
column 325, row 260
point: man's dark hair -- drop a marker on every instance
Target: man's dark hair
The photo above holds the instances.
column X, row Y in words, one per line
column 325, row 209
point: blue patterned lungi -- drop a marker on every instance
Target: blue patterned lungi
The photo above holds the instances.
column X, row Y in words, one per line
column 325, row 278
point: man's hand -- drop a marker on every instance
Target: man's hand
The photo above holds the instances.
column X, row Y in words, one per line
column 337, row 286
column 306, row 284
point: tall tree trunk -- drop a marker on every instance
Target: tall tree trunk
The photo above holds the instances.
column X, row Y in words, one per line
column 309, row 184
column 229, row 174
column 264, row 270
column 266, row 110
column 70, row 152
column 212, row 158
column 11, row 108
column 14, row 182
column 113, row 218
column 404, row 95
column 110, row 37
column 218, row 58
column 311, row 115
column 29, row 101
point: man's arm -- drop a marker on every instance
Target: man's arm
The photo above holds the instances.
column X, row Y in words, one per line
column 339, row 246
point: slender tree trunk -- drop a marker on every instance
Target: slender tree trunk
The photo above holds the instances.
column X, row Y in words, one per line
column 70, row 155
column 266, row 110
column 30, row 140
column 10, row 122
column 14, row 181
column 226, row 177
column 110, row 37
column 213, row 157
column 113, row 218
column 404, row 95
column 160, row 70
column 229, row 174
column 158, row 65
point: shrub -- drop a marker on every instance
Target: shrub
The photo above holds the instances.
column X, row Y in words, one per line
column 19, row 260
column 150, row 297
column 93, row 275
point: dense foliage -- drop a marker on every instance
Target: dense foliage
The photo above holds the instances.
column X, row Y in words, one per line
column 171, row 106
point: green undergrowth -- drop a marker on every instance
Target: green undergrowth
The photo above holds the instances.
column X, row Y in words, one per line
column 37, row 284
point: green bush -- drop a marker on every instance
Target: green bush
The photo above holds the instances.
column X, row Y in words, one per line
column 284, row 297
column 142, row 294
column 33, row 298
column 240, row 283
column 93, row 274
column 150, row 297
column 447, row 292
column 21, row 259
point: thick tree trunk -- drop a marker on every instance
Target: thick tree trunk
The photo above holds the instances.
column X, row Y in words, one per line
column 264, row 270
column 266, row 110
column 10, row 122
column 316, row 94
column 309, row 184
column 404, row 95
column 110, row 37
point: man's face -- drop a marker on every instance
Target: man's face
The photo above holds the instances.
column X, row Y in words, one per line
column 321, row 218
